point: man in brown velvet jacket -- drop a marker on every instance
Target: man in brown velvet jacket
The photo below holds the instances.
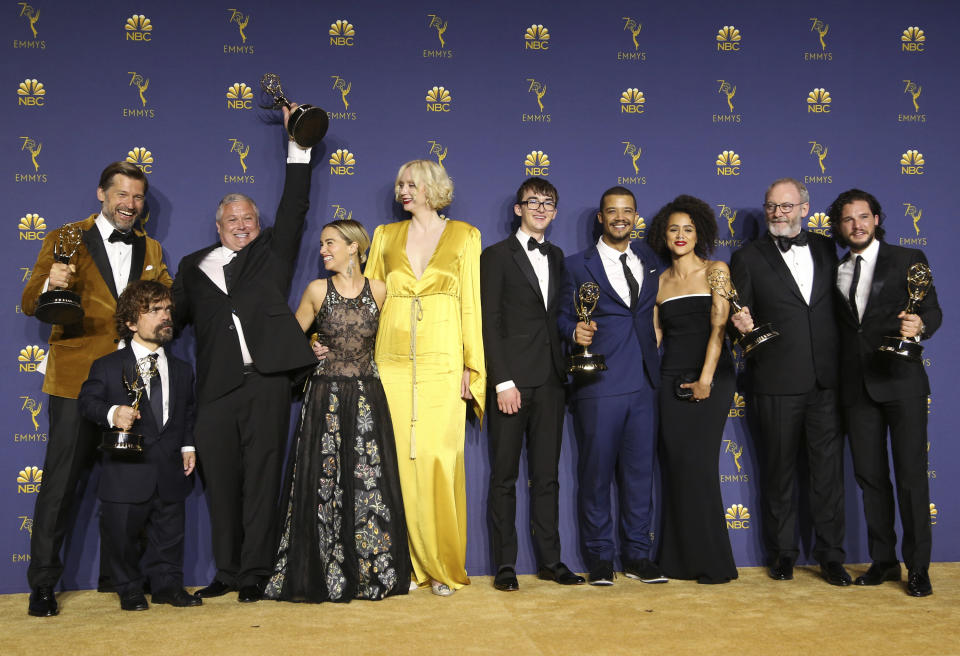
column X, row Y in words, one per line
column 111, row 254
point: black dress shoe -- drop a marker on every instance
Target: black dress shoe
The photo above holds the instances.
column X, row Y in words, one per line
column 918, row 583
column 782, row 570
column 644, row 570
column 506, row 580
column 834, row 573
column 602, row 573
column 216, row 589
column 133, row 601
column 249, row 593
column 561, row 574
column 878, row 573
column 43, row 603
column 176, row 597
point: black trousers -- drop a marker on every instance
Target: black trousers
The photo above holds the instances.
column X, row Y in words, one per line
column 71, row 451
column 241, row 439
column 867, row 424
column 540, row 418
column 122, row 525
column 788, row 423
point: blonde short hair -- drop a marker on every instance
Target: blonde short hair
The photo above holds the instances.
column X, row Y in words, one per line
column 352, row 233
column 431, row 178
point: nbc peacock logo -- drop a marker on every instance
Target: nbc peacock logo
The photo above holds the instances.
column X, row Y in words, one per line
column 934, row 514
column 342, row 162
column 819, row 223
column 438, row 99
column 536, row 37
column 537, row 163
column 342, row 33
column 913, row 40
column 737, row 516
column 911, row 163
column 32, row 227
column 31, row 93
column 30, row 356
column 29, row 479
column 728, row 163
column 138, row 28
column 728, row 39
column 142, row 158
column 639, row 228
column 632, row 101
column 239, row 96
column 737, row 406
column 819, row 101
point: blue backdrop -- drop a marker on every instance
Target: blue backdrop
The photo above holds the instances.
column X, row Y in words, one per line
column 664, row 98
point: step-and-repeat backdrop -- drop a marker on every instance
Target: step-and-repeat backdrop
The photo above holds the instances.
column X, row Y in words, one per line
column 710, row 99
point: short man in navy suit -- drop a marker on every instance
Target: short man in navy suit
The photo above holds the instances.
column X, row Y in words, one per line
column 144, row 493
column 881, row 394
column 615, row 411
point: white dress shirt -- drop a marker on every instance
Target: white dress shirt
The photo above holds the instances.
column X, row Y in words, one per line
column 118, row 253
column 799, row 260
column 212, row 264
column 867, row 267
column 614, row 269
column 541, row 267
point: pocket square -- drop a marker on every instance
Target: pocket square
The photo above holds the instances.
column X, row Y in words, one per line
column 149, row 267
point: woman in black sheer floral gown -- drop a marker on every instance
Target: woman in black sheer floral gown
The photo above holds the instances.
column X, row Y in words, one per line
column 344, row 535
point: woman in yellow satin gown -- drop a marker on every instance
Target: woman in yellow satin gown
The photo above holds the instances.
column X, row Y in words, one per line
column 430, row 357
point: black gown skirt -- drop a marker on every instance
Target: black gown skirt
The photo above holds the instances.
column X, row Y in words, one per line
column 694, row 543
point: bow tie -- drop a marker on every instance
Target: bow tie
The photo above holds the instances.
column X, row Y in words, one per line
column 784, row 243
column 125, row 237
column 534, row 244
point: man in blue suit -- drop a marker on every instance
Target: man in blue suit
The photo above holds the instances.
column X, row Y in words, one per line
column 145, row 493
column 615, row 411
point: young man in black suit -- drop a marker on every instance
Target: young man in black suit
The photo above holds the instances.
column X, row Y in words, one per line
column 234, row 294
column 786, row 278
column 519, row 283
column 144, row 492
column 881, row 392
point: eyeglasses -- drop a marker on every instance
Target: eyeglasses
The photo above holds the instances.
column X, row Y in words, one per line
column 786, row 208
column 534, row 204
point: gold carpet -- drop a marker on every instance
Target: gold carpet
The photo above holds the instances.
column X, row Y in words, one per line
column 752, row 615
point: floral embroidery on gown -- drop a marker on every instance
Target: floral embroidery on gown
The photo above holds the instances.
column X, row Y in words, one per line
column 344, row 534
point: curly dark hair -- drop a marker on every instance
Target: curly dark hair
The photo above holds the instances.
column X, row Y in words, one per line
column 836, row 209
column 135, row 300
column 704, row 221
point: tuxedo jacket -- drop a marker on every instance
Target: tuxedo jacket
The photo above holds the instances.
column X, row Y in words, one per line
column 805, row 353
column 258, row 287
column 520, row 337
column 73, row 348
column 133, row 478
column 625, row 338
column 861, row 366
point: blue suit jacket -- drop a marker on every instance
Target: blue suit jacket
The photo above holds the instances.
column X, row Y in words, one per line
column 160, row 468
column 625, row 338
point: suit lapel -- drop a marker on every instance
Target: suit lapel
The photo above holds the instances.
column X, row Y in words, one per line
column 771, row 253
column 844, row 301
column 821, row 281
column 523, row 262
column 594, row 264
column 94, row 243
column 651, row 282
column 553, row 285
column 136, row 258
column 883, row 266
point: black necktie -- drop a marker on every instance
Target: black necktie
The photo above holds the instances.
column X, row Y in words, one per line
column 534, row 244
column 853, row 288
column 156, row 393
column 784, row 243
column 228, row 269
column 631, row 282
column 125, row 237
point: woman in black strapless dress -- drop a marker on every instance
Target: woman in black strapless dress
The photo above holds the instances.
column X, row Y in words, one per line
column 690, row 323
